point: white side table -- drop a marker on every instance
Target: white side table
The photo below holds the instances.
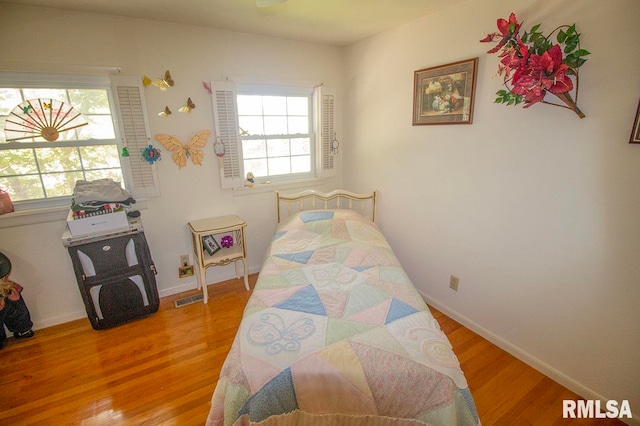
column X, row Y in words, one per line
column 207, row 235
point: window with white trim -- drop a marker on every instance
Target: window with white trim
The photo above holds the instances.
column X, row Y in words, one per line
column 39, row 172
column 276, row 133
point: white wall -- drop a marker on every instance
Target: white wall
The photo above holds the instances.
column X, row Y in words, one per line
column 62, row 40
column 535, row 210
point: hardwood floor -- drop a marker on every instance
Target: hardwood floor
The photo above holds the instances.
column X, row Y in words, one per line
column 163, row 369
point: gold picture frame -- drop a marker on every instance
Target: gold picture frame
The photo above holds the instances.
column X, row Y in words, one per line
column 445, row 94
column 635, row 130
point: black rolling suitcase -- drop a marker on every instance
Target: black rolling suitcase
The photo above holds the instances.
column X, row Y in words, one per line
column 117, row 280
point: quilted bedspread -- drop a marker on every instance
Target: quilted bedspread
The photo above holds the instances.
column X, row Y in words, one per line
column 336, row 333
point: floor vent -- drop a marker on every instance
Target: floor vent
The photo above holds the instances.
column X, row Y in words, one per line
column 189, row 300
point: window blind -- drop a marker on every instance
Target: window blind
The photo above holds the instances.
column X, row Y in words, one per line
column 134, row 127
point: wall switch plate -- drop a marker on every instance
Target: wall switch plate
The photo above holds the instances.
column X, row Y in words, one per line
column 184, row 260
column 453, row 282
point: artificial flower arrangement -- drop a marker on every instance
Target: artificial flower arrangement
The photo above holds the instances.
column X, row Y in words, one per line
column 533, row 65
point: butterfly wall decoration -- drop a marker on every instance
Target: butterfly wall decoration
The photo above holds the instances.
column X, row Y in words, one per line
column 163, row 83
column 182, row 151
column 166, row 112
column 188, row 106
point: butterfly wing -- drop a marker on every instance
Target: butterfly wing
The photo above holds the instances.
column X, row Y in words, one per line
column 176, row 146
column 197, row 142
column 160, row 84
column 180, row 158
column 167, row 79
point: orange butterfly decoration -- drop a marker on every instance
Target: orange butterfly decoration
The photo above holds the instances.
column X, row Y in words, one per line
column 182, row 151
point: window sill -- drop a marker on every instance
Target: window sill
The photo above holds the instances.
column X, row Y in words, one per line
column 260, row 188
column 43, row 215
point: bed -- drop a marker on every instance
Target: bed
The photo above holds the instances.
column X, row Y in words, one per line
column 335, row 333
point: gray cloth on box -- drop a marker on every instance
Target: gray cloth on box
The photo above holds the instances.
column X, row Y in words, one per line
column 96, row 193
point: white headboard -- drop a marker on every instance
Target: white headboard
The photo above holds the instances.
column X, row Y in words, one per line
column 288, row 204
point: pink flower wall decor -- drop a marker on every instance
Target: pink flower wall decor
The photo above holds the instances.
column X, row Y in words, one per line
column 533, row 66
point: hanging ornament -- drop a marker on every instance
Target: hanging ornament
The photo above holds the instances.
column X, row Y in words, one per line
column 125, row 152
column 335, row 144
column 151, row 154
column 45, row 118
column 219, row 147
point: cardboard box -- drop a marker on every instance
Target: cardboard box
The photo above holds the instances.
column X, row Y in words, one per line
column 97, row 224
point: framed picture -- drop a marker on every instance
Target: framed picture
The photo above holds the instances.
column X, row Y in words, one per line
column 445, row 94
column 185, row 271
column 210, row 244
column 635, row 131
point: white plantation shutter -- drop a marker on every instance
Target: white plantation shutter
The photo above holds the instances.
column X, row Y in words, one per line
column 134, row 130
column 326, row 131
column 225, row 115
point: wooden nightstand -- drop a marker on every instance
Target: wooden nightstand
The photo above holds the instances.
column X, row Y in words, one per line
column 208, row 238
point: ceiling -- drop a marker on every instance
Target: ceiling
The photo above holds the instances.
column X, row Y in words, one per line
column 332, row 22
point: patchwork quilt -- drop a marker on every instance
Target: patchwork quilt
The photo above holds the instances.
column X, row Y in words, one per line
column 336, row 333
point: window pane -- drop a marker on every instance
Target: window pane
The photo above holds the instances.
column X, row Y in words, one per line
column 298, row 106
column 278, row 147
column 115, row 174
column 58, row 94
column 17, row 162
column 298, row 125
column 275, row 125
column 249, row 105
column 60, row 166
column 274, row 105
column 90, row 101
column 301, row 164
column 60, row 184
column 58, row 159
column 279, row 166
column 300, row 146
column 277, row 117
column 100, row 127
column 22, row 187
column 9, row 99
column 251, row 124
column 254, row 148
column 257, row 166
column 100, row 156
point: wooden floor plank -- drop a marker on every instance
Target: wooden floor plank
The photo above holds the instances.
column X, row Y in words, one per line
column 163, row 369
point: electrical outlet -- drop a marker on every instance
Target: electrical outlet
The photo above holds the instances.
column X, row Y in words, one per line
column 184, row 260
column 453, row 282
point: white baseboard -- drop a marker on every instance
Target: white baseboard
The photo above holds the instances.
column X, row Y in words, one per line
column 177, row 289
column 191, row 285
column 68, row 317
column 566, row 381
